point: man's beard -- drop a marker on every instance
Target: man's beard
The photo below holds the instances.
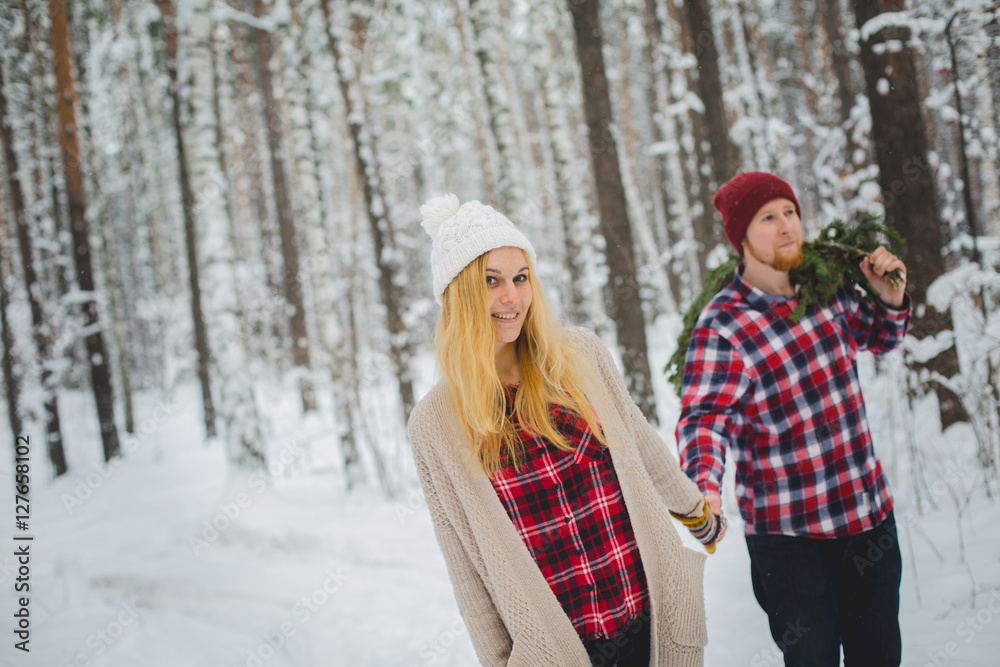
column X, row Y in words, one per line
column 783, row 261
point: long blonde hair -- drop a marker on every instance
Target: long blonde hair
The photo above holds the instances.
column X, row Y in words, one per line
column 552, row 372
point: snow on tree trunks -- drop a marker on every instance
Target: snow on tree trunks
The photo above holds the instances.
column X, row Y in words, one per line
column 299, row 100
column 40, row 326
column 907, row 181
column 560, row 147
column 636, row 190
column 839, row 56
column 254, row 234
column 753, row 88
column 105, row 129
column 154, row 138
column 236, row 403
column 670, row 196
column 472, row 83
column 140, row 283
column 171, row 37
column 298, row 96
column 559, row 104
column 100, row 373
column 325, row 275
column 386, row 257
column 506, row 48
column 679, row 117
column 287, row 226
column 11, row 380
column 990, row 166
column 709, row 124
column 725, row 160
column 487, row 47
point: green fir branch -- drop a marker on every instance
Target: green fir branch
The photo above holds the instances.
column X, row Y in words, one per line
column 716, row 280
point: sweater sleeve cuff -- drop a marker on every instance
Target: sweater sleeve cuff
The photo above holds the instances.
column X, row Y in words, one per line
column 706, row 527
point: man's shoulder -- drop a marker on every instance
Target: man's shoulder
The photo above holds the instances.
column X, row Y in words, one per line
column 725, row 308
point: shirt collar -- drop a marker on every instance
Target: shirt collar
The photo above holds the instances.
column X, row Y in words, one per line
column 757, row 298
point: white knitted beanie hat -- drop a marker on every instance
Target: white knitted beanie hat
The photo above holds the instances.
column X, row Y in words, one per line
column 460, row 234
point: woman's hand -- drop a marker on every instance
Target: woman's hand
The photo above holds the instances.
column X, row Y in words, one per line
column 707, row 526
column 714, row 502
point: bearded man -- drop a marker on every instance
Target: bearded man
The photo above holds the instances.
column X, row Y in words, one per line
column 785, row 400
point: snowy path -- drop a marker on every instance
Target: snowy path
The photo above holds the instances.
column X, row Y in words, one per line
column 297, row 574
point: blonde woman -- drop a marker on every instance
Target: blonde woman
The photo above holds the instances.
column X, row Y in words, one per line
column 547, row 488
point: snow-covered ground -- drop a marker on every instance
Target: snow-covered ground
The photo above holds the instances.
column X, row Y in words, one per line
column 165, row 558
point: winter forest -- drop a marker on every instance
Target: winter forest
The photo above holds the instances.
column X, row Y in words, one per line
column 217, row 311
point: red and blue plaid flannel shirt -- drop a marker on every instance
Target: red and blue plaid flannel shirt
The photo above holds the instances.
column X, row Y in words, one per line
column 786, row 400
column 569, row 511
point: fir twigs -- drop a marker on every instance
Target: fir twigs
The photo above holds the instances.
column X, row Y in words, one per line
column 717, row 278
column 894, row 277
column 831, row 260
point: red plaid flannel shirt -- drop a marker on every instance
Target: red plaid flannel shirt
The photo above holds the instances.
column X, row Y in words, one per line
column 569, row 511
column 785, row 399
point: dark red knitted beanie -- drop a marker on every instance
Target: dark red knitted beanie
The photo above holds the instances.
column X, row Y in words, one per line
column 742, row 196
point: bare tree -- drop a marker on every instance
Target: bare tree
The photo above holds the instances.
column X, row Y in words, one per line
column 152, row 130
column 40, row 327
column 561, row 148
column 624, row 305
column 190, row 229
column 329, row 278
column 709, row 126
column 286, row 223
column 839, row 56
column 908, row 188
column 724, row 159
column 12, row 384
column 471, row 82
column 143, row 252
column 652, row 56
column 483, row 22
column 400, row 347
column 237, row 405
column 97, row 352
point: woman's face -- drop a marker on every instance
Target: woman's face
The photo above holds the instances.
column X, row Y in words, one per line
column 509, row 292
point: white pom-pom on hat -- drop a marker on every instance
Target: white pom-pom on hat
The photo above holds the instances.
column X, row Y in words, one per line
column 437, row 210
column 461, row 233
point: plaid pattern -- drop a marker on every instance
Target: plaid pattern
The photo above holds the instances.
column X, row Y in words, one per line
column 569, row 511
column 786, row 400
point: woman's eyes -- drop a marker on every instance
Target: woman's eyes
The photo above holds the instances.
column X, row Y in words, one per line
column 490, row 280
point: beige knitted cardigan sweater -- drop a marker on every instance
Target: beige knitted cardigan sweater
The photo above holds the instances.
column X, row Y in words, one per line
column 511, row 613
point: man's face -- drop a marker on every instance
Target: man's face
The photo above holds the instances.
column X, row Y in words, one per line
column 774, row 236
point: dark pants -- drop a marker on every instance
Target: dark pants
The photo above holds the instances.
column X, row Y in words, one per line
column 631, row 649
column 821, row 593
